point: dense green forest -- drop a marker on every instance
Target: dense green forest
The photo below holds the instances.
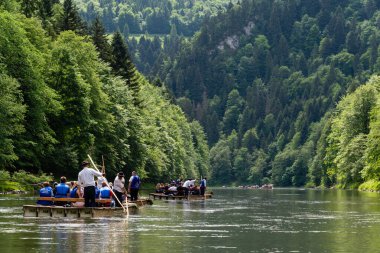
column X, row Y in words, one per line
column 281, row 87
column 264, row 80
column 68, row 91
column 155, row 29
column 151, row 16
column 285, row 90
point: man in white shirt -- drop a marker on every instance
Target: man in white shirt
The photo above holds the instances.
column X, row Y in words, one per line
column 186, row 186
column 119, row 188
column 87, row 181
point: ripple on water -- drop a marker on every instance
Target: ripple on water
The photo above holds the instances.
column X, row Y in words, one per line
column 10, row 210
column 221, row 247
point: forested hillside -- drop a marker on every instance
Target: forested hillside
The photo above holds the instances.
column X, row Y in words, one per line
column 264, row 80
column 155, row 28
column 67, row 92
column 151, row 16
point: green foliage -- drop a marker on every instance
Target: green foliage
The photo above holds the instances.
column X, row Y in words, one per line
column 60, row 101
column 152, row 16
column 23, row 50
column 349, row 136
column 371, row 185
column 123, row 66
column 279, row 68
column 21, row 180
column 71, row 19
column 12, row 113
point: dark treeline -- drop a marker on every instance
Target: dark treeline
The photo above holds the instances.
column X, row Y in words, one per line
column 67, row 91
column 264, row 79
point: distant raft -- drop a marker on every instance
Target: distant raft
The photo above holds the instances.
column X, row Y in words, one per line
column 179, row 197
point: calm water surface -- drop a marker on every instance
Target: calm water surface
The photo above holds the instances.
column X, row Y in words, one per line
column 236, row 220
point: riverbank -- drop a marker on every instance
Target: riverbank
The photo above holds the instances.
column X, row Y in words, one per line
column 20, row 182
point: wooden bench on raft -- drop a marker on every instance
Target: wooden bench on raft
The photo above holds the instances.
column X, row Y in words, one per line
column 103, row 201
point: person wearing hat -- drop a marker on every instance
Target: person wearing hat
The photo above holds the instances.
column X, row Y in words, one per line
column 119, row 187
column 86, row 180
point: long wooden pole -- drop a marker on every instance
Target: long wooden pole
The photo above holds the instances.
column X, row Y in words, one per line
column 124, row 209
column 103, row 167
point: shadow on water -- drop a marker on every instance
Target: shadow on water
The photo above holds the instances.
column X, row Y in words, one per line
column 235, row 220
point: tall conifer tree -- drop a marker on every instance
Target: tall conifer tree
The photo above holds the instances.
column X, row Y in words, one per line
column 123, row 66
column 71, row 19
column 99, row 38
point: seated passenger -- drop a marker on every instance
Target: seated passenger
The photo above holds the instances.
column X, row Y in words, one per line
column 62, row 189
column 158, row 188
column 74, row 191
column 45, row 191
column 166, row 189
column 172, row 188
column 105, row 193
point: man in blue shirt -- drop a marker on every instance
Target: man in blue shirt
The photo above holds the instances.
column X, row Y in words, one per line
column 134, row 186
column 203, row 186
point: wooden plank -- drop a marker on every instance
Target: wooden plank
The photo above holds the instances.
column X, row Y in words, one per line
column 58, row 212
column 72, row 212
column 85, row 212
column 30, row 211
column 43, row 211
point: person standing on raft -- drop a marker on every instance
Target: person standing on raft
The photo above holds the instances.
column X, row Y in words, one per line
column 134, row 186
column 86, row 180
column 119, row 188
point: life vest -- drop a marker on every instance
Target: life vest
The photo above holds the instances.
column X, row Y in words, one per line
column 105, row 193
column 203, row 183
column 73, row 192
column 61, row 190
column 135, row 183
column 45, row 192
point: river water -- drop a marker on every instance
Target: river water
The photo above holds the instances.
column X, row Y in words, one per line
column 235, row 220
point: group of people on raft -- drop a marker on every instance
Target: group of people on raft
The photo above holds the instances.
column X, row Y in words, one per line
column 90, row 189
column 183, row 188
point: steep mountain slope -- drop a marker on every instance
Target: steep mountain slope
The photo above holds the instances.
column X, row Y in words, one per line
column 263, row 77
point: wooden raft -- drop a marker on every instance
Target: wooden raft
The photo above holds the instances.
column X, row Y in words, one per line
column 175, row 197
column 77, row 212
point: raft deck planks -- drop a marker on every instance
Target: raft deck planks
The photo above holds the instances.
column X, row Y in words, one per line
column 76, row 212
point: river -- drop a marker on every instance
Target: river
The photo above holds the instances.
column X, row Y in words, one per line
column 235, row 220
